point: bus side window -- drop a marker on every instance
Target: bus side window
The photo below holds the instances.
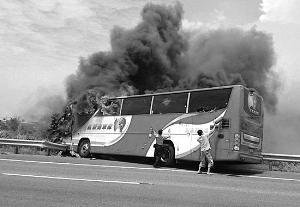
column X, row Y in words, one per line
column 115, row 107
column 136, row 105
column 110, row 107
column 170, row 103
column 206, row 101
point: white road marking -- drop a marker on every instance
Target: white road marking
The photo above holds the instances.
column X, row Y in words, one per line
column 73, row 179
column 143, row 168
column 270, row 178
column 91, row 165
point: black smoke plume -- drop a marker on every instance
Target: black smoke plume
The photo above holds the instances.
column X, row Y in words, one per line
column 232, row 56
column 157, row 55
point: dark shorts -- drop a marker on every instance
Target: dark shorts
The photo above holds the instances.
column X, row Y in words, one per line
column 158, row 150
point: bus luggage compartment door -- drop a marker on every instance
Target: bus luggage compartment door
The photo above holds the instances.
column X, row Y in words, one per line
column 221, row 145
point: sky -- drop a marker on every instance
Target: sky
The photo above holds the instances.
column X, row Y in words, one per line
column 42, row 41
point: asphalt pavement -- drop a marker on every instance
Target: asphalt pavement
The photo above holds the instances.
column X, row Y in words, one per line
column 28, row 180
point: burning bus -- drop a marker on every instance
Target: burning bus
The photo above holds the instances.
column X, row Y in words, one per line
column 231, row 116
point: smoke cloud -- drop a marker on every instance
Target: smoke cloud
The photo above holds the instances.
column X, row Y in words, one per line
column 44, row 108
column 143, row 58
column 157, row 55
column 233, row 56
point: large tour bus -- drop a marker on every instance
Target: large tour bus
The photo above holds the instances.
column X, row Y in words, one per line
column 231, row 116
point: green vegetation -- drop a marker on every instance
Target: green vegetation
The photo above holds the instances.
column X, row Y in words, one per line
column 15, row 128
column 55, row 127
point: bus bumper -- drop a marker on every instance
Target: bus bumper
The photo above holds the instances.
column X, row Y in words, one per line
column 251, row 158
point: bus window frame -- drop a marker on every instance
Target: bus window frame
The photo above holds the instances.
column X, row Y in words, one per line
column 188, row 103
column 121, row 107
column 151, row 106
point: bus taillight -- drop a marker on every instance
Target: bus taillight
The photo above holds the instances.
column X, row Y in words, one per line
column 237, row 142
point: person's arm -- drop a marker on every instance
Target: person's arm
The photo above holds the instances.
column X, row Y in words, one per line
column 166, row 137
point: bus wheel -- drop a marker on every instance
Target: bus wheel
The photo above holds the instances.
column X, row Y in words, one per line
column 168, row 155
column 84, row 148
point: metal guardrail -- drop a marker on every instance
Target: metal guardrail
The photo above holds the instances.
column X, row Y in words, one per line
column 273, row 159
column 34, row 143
column 281, row 157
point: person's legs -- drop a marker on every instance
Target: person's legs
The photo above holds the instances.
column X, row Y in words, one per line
column 202, row 162
column 156, row 163
column 210, row 161
column 157, row 155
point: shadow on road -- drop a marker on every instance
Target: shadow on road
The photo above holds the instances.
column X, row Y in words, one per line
column 231, row 168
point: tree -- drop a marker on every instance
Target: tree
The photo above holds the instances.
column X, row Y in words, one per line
column 60, row 126
column 3, row 125
column 13, row 124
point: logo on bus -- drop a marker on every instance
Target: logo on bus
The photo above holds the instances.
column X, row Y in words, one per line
column 119, row 124
column 253, row 103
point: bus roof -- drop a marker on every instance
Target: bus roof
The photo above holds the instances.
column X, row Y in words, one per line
column 182, row 91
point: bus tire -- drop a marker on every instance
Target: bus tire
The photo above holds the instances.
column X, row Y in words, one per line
column 168, row 155
column 84, row 149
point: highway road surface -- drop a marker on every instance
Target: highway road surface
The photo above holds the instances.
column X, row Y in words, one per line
column 27, row 180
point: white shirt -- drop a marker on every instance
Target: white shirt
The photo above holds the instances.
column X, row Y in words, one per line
column 204, row 143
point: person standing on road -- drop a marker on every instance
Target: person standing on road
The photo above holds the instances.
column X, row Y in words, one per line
column 158, row 148
column 204, row 152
